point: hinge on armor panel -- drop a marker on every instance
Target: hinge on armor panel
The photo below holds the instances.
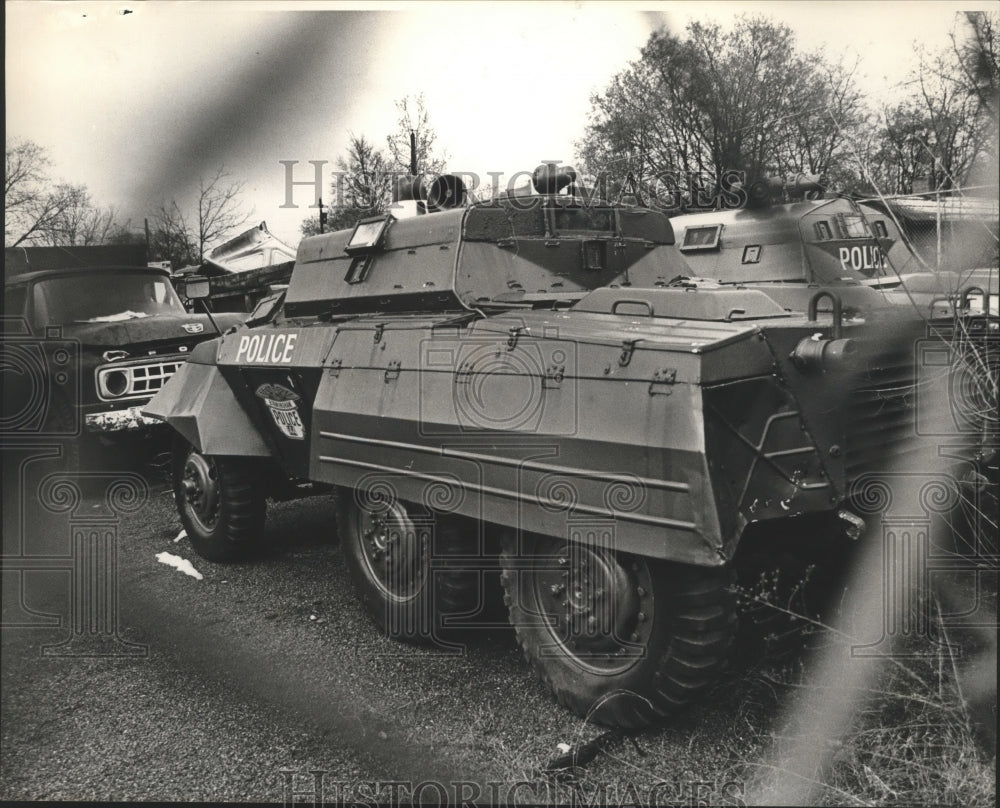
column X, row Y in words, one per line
column 663, row 381
column 392, row 371
column 334, row 368
column 628, row 348
column 377, row 336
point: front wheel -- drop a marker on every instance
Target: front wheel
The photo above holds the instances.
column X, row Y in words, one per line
column 221, row 504
column 619, row 639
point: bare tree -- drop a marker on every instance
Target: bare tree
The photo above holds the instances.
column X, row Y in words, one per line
column 364, row 183
column 42, row 212
column 183, row 235
column 414, row 117
column 82, row 223
column 945, row 133
column 34, row 206
column 171, row 238
column 219, row 210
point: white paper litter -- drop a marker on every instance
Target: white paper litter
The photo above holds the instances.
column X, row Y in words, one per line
column 181, row 535
column 563, row 747
column 181, row 564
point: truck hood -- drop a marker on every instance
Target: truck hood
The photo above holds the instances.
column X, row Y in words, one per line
column 154, row 329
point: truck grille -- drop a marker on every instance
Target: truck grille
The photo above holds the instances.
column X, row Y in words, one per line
column 129, row 381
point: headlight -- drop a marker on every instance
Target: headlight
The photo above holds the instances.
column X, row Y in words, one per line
column 114, row 383
column 814, row 354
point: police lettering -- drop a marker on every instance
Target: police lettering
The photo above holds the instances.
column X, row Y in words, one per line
column 863, row 258
column 266, row 348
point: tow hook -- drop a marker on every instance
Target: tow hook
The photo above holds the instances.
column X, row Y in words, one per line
column 855, row 525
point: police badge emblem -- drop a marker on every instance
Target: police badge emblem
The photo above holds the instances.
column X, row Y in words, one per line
column 282, row 403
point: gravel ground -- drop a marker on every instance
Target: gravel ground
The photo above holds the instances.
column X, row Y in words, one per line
column 263, row 672
column 272, row 665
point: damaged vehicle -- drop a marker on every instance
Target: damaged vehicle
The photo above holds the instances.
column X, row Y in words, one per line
column 240, row 272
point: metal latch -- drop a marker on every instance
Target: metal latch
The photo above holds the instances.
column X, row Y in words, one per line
column 553, row 376
column 377, row 336
column 663, row 381
column 392, row 371
column 335, row 366
column 628, row 348
column 515, row 332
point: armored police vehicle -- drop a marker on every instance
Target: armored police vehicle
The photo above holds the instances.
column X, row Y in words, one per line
column 529, row 378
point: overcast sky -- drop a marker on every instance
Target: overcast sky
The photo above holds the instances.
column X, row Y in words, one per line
column 137, row 100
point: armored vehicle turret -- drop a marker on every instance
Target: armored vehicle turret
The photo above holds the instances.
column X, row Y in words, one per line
column 526, row 378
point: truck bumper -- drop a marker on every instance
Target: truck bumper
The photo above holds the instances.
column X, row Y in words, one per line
column 130, row 418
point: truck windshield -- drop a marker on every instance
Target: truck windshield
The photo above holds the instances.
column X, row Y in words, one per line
column 106, row 297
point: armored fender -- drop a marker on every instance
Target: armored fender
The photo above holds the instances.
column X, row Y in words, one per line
column 201, row 406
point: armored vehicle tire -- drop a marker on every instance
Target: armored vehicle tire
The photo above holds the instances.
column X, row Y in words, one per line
column 620, row 640
column 396, row 554
column 221, row 504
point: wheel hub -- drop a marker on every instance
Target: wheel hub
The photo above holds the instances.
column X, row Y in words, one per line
column 393, row 550
column 200, row 486
column 598, row 605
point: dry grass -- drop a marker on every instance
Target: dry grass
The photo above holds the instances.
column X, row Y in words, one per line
column 911, row 742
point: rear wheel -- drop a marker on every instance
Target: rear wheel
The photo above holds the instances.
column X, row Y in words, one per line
column 619, row 639
column 397, row 555
column 221, row 504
